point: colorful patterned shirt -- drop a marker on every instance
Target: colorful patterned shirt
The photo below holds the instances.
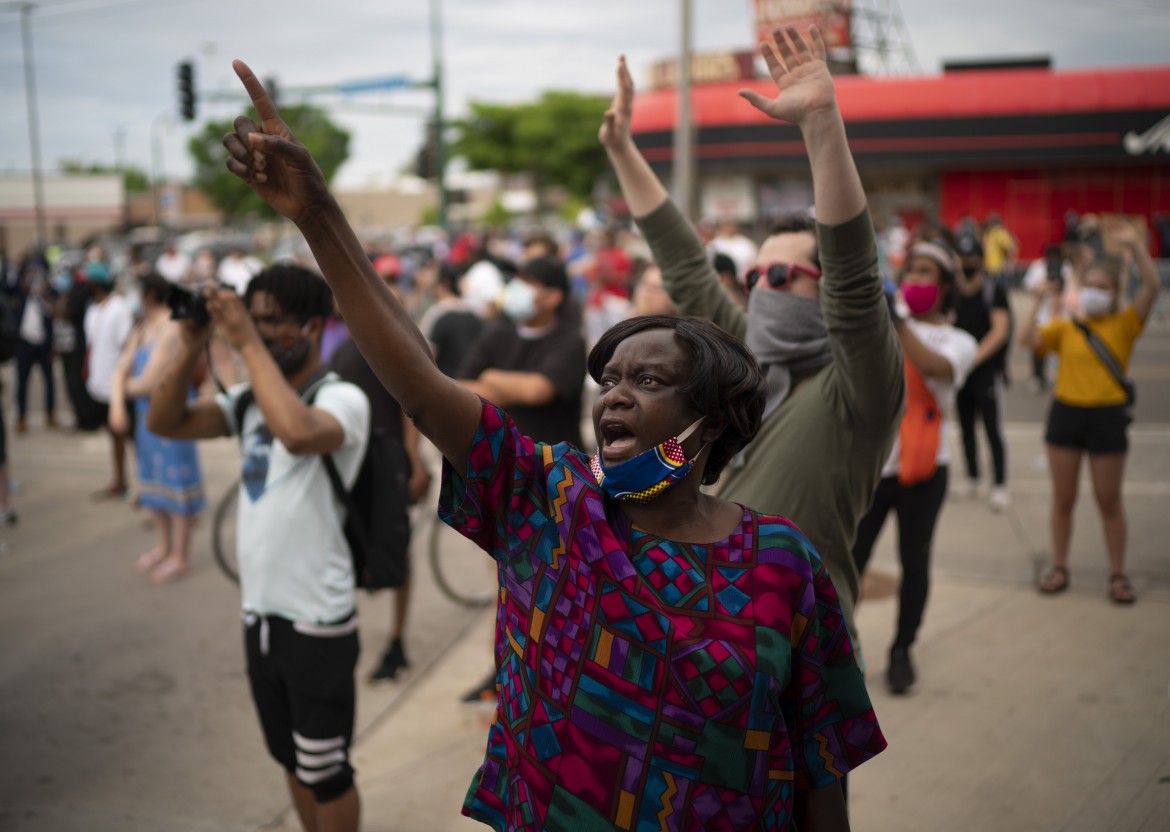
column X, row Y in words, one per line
column 644, row 683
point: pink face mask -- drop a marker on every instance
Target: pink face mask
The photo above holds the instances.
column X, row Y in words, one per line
column 920, row 299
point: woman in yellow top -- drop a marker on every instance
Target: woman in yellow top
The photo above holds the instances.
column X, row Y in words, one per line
column 1089, row 412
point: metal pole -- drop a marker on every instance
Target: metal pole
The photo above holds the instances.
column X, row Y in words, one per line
column 34, row 132
column 684, row 151
column 440, row 143
column 156, row 166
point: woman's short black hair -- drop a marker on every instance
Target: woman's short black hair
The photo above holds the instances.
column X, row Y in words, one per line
column 156, row 286
column 300, row 292
column 726, row 385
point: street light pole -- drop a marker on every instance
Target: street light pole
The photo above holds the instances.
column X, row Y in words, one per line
column 156, row 165
column 684, row 150
column 34, row 131
column 440, row 143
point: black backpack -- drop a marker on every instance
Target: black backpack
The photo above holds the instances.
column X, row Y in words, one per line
column 377, row 524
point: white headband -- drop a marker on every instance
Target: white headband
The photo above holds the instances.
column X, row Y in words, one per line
column 943, row 256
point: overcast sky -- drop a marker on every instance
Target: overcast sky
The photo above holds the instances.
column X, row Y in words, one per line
column 107, row 67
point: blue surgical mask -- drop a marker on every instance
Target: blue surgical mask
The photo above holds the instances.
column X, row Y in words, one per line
column 62, row 281
column 519, row 301
column 641, row 478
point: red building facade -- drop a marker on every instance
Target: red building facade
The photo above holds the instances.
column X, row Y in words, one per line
column 1029, row 144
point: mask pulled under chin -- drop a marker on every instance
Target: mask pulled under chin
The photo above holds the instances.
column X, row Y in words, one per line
column 290, row 354
column 649, row 474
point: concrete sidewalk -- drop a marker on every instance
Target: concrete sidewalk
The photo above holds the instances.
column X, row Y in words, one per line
column 1032, row 713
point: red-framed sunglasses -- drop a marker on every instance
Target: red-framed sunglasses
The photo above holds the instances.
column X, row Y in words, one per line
column 779, row 275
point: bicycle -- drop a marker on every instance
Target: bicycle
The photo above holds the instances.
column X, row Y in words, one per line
column 456, row 563
column 223, row 533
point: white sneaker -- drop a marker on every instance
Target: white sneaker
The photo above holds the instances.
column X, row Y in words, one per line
column 965, row 489
column 999, row 499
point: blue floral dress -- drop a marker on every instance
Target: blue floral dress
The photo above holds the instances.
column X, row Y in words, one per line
column 169, row 478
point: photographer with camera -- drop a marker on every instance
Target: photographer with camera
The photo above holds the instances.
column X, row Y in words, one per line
column 1050, row 270
column 1092, row 400
column 170, row 484
column 296, row 572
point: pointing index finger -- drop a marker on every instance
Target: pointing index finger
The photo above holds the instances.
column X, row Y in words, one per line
column 260, row 100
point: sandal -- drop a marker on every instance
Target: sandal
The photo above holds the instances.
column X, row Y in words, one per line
column 169, row 570
column 1054, row 581
column 1121, row 590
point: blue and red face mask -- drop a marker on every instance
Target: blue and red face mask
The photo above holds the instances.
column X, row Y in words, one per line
column 647, row 475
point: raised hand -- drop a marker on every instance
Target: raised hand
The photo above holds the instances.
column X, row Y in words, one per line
column 269, row 158
column 231, row 317
column 803, row 82
column 1120, row 231
column 615, row 129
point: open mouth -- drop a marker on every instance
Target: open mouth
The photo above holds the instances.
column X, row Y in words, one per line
column 617, row 441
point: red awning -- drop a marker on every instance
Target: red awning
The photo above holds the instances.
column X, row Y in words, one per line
column 956, row 95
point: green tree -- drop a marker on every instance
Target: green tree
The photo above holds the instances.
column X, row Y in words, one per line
column 553, row 139
column 133, row 179
column 328, row 143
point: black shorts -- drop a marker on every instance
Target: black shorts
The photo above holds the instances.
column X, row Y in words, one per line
column 1098, row 430
column 102, row 410
column 301, row 677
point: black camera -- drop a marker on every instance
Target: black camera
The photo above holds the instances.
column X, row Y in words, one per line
column 1056, row 274
column 188, row 304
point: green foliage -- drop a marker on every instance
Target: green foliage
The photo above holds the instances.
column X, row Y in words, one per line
column 328, row 143
column 496, row 216
column 429, row 215
column 134, row 180
column 553, row 139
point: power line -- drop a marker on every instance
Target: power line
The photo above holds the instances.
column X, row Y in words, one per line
column 71, row 10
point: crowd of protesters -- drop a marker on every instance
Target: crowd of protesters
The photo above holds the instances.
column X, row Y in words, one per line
column 805, row 380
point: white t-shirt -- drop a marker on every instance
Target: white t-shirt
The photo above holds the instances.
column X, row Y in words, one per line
column 294, row 561
column 107, row 326
column 739, row 248
column 1036, row 276
column 958, row 348
column 238, row 272
column 174, row 267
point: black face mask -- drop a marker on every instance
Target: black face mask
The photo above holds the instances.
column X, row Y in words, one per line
column 970, row 271
column 290, row 354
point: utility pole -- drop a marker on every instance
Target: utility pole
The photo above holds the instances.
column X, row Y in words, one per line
column 684, row 145
column 440, row 143
column 34, row 130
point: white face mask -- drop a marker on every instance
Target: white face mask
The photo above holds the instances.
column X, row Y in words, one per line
column 134, row 300
column 519, row 301
column 1096, row 302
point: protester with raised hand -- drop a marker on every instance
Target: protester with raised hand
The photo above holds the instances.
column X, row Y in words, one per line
column 664, row 655
column 1091, row 405
column 817, row 319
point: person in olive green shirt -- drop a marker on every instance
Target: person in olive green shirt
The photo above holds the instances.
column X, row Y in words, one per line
column 817, row 320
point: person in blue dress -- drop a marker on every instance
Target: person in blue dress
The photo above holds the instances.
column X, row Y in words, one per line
column 170, row 484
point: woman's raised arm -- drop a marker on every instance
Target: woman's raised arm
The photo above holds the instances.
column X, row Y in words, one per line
column 283, row 173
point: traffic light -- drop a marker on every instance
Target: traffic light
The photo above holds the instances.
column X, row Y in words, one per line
column 187, row 91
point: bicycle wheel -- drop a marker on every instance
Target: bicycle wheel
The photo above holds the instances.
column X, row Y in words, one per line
column 461, row 569
column 223, row 533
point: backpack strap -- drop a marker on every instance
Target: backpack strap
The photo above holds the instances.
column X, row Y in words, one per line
column 1107, row 358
